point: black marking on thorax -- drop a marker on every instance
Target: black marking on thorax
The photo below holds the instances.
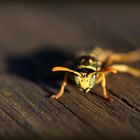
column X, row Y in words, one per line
column 87, row 61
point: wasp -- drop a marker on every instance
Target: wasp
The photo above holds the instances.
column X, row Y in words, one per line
column 92, row 67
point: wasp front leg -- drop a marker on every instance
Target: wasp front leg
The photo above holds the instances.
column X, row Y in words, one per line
column 61, row 91
column 127, row 69
column 103, row 84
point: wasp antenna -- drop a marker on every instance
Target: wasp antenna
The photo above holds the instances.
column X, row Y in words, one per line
column 59, row 68
column 113, row 70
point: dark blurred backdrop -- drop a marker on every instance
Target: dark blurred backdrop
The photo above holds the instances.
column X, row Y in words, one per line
column 31, row 28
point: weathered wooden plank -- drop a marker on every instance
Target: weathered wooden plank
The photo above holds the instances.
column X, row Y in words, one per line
column 7, row 124
column 99, row 114
column 130, row 94
column 41, row 117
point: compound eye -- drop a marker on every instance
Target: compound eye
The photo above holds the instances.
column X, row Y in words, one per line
column 77, row 79
column 94, row 76
column 92, row 80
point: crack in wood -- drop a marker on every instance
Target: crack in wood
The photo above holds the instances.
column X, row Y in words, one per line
column 87, row 124
column 124, row 101
column 80, row 119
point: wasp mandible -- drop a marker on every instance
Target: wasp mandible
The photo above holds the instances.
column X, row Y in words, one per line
column 92, row 67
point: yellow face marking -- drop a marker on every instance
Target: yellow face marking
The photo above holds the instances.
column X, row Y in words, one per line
column 88, row 67
column 84, row 84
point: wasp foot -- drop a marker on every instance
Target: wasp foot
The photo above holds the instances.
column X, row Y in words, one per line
column 109, row 98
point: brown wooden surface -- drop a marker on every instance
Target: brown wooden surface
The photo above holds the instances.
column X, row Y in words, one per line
column 33, row 39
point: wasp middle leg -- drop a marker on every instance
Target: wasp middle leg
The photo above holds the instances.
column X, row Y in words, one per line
column 101, row 79
column 103, row 84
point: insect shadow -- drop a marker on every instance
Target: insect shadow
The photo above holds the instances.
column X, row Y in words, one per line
column 37, row 66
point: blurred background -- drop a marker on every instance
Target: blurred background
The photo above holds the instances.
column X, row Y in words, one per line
column 28, row 26
column 31, row 28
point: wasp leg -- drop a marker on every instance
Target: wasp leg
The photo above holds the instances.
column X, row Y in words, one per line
column 61, row 91
column 98, row 79
column 127, row 69
column 106, row 71
column 103, row 84
column 125, row 57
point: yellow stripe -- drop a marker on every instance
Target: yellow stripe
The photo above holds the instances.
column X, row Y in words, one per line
column 88, row 67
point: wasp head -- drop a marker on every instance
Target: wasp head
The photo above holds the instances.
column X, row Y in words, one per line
column 86, row 81
column 84, row 78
